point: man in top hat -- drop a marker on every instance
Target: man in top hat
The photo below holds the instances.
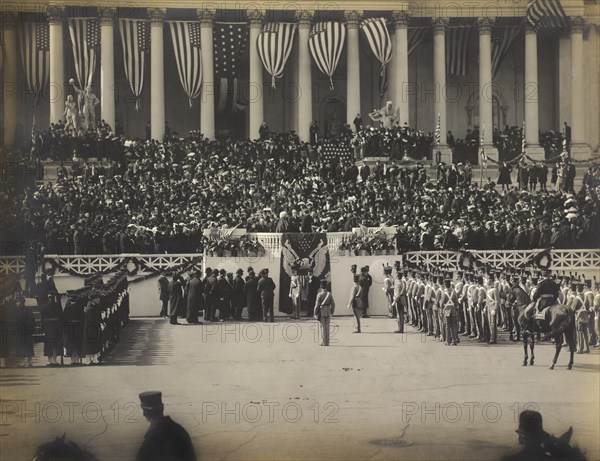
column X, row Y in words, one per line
column 195, row 298
column 211, row 293
column 164, row 439
column 365, row 281
column 238, row 301
column 163, row 294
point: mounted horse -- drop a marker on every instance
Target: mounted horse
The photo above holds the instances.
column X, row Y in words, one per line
column 555, row 321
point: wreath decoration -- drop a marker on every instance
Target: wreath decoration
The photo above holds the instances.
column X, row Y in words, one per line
column 543, row 260
column 467, row 261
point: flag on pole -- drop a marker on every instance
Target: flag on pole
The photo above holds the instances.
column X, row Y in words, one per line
column 457, row 45
column 502, row 41
column 230, row 41
column 542, row 14
column 523, row 141
column 84, row 35
column 378, row 36
column 274, row 44
column 481, row 145
column 438, row 132
column 185, row 36
column 326, row 41
column 35, row 55
column 135, row 38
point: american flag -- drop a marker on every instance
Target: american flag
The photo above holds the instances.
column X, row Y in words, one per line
column 35, row 55
column 135, row 38
column 502, row 40
column 523, row 141
column 185, row 36
column 545, row 14
column 326, row 41
column 333, row 151
column 438, row 132
column 230, row 40
column 84, row 41
column 378, row 36
column 457, row 45
column 274, row 45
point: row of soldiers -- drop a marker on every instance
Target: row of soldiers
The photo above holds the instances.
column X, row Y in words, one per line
column 477, row 305
column 88, row 326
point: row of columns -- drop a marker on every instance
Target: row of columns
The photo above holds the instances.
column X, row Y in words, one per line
column 398, row 86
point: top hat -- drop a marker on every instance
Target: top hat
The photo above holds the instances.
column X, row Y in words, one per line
column 530, row 424
column 151, row 401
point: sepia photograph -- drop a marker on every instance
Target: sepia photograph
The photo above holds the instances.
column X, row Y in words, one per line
column 337, row 230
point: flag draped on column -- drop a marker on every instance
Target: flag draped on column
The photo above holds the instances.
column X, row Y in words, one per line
column 438, row 132
column 274, row 46
column 457, row 45
column 378, row 36
column 84, row 41
column 35, row 56
column 546, row 13
column 326, row 42
column 185, row 36
column 135, row 37
column 230, row 40
column 502, row 40
column 415, row 37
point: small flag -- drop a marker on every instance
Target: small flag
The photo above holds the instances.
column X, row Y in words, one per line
column 543, row 14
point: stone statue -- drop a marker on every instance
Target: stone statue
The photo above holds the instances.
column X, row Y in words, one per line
column 87, row 104
column 386, row 115
column 70, row 114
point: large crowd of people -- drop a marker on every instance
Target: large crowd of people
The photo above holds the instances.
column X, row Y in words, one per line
column 161, row 196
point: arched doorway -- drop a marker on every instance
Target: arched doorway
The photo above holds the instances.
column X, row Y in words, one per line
column 332, row 117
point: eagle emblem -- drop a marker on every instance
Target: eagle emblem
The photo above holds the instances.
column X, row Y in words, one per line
column 316, row 260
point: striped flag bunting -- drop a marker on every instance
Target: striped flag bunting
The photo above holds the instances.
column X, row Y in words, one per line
column 457, row 45
column 185, row 36
column 230, row 41
column 438, row 132
column 135, row 38
column 85, row 39
column 565, row 147
column 274, row 44
column 378, row 36
column 415, row 37
column 326, row 41
column 523, row 141
column 502, row 41
column 543, row 14
column 484, row 157
column 35, row 55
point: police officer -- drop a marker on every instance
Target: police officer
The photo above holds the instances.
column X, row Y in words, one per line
column 164, row 439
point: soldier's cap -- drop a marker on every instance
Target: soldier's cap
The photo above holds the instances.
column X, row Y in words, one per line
column 387, row 270
column 151, row 401
column 588, row 283
column 239, row 272
column 530, row 424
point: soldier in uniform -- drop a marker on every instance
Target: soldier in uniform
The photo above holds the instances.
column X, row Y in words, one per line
column 448, row 307
column 354, row 304
column 388, row 289
column 588, row 299
column 581, row 319
column 400, row 300
column 479, row 295
column 165, row 439
column 546, row 292
column 365, row 281
column 492, row 306
column 458, row 289
column 324, row 309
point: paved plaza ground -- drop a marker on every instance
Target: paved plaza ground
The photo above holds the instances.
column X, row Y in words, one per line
column 269, row 391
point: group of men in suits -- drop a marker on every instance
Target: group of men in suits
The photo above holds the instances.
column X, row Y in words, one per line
column 221, row 295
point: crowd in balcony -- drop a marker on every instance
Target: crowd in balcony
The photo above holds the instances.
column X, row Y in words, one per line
column 162, row 195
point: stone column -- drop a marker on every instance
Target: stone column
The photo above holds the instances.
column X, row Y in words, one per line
column 579, row 149
column 353, row 93
column 10, row 85
column 564, row 78
column 530, row 96
column 255, row 84
column 304, row 75
column 157, row 73
column 107, row 66
column 486, row 86
column 439, row 82
column 58, row 90
column 207, row 94
column 401, row 66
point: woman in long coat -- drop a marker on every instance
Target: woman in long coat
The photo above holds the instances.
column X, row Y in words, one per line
column 92, row 333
